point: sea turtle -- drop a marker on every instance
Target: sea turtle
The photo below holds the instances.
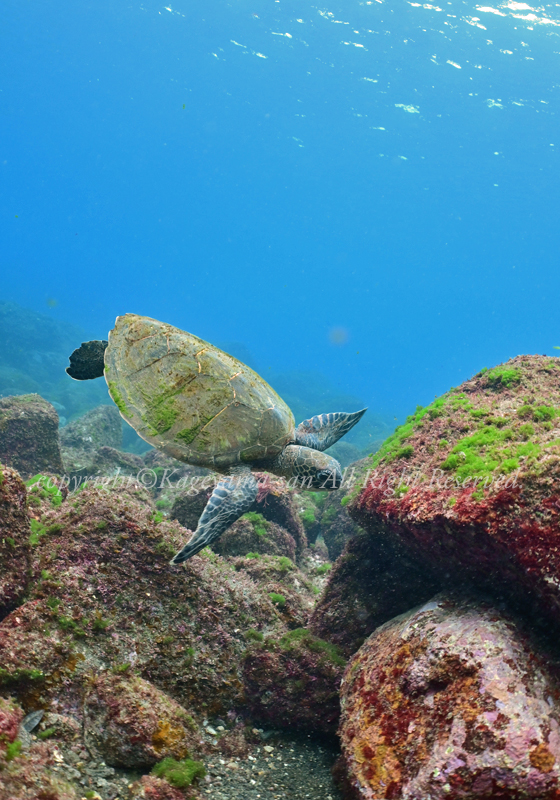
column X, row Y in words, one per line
column 204, row 407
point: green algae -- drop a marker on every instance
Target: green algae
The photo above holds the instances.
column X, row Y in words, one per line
column 493, row 448
column 13, row 749
column 99, row 624
column 526, row 431
column 43, row 487
column 278, row 599
column 318, row 498
column 46, row 734
column 303, row 638
column 329, row 515
column 405, row 452
column 117, row 398
column 179, row 774
column 308, row 518
column 259, row 523
column 20, row 675
column 503, row 377
column 283, row 563
column 254, row 636
column 187, row 435
column 323, row 569
column 540, row 414
column 120, row 669
column 394, row 446
column 37, row 532
column 161, row 413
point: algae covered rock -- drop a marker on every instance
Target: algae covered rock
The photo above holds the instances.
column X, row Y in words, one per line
column 131, row 723
column 151, row 788
column 284, row 583
column 337, row 526
column 102, row 426
column 14, row 540
column 471, row 484
column 31, row 648
column 451, row 701
column 374, row 580
column 102, row 573
column 27, row 774
column 188, row 506
column 90, row 446
column 308, row 506
column 252, row 533
column 279, row 505
column 29, row 435
column 293, row 682
column 10, row 717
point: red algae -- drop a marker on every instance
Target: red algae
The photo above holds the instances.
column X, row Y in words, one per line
column 477, row 493
column 451, row 701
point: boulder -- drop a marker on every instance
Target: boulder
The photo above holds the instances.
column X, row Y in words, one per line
column 471, row 485
column 101, row 575
column 278, row 504
column 29, row 435
column 189, row 505
column 108, row 461
column 130, row 723
column 375, row 579
column 27, row 774
column 90, row 446
column 32, row 649
column 293, row 682
column 451, row 700
column 14, row 540
column 253, row 533
column 337, row 526
column 151, row 788
column 171, row 480
column 102, row 426
column 288, row 587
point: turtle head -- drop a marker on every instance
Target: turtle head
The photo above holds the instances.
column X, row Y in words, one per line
column 315, row 470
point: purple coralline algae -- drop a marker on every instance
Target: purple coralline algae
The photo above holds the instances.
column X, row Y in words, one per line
column 451, row 701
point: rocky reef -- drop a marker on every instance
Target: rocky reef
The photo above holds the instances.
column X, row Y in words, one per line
column 128, row 657
column 415, row 612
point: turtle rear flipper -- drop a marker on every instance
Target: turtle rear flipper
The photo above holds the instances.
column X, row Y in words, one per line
column 87, row 362
column 232, row 497
column 324, row 430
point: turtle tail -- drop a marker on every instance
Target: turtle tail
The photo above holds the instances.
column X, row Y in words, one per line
column 87, row 362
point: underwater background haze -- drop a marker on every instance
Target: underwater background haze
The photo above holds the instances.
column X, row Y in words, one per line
column 363, row 192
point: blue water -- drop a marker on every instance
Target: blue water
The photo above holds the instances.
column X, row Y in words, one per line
column 368, row 190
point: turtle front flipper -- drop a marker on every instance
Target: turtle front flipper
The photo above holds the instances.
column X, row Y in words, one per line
column 232, row 497
column 87, row 362
column 324, row 430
